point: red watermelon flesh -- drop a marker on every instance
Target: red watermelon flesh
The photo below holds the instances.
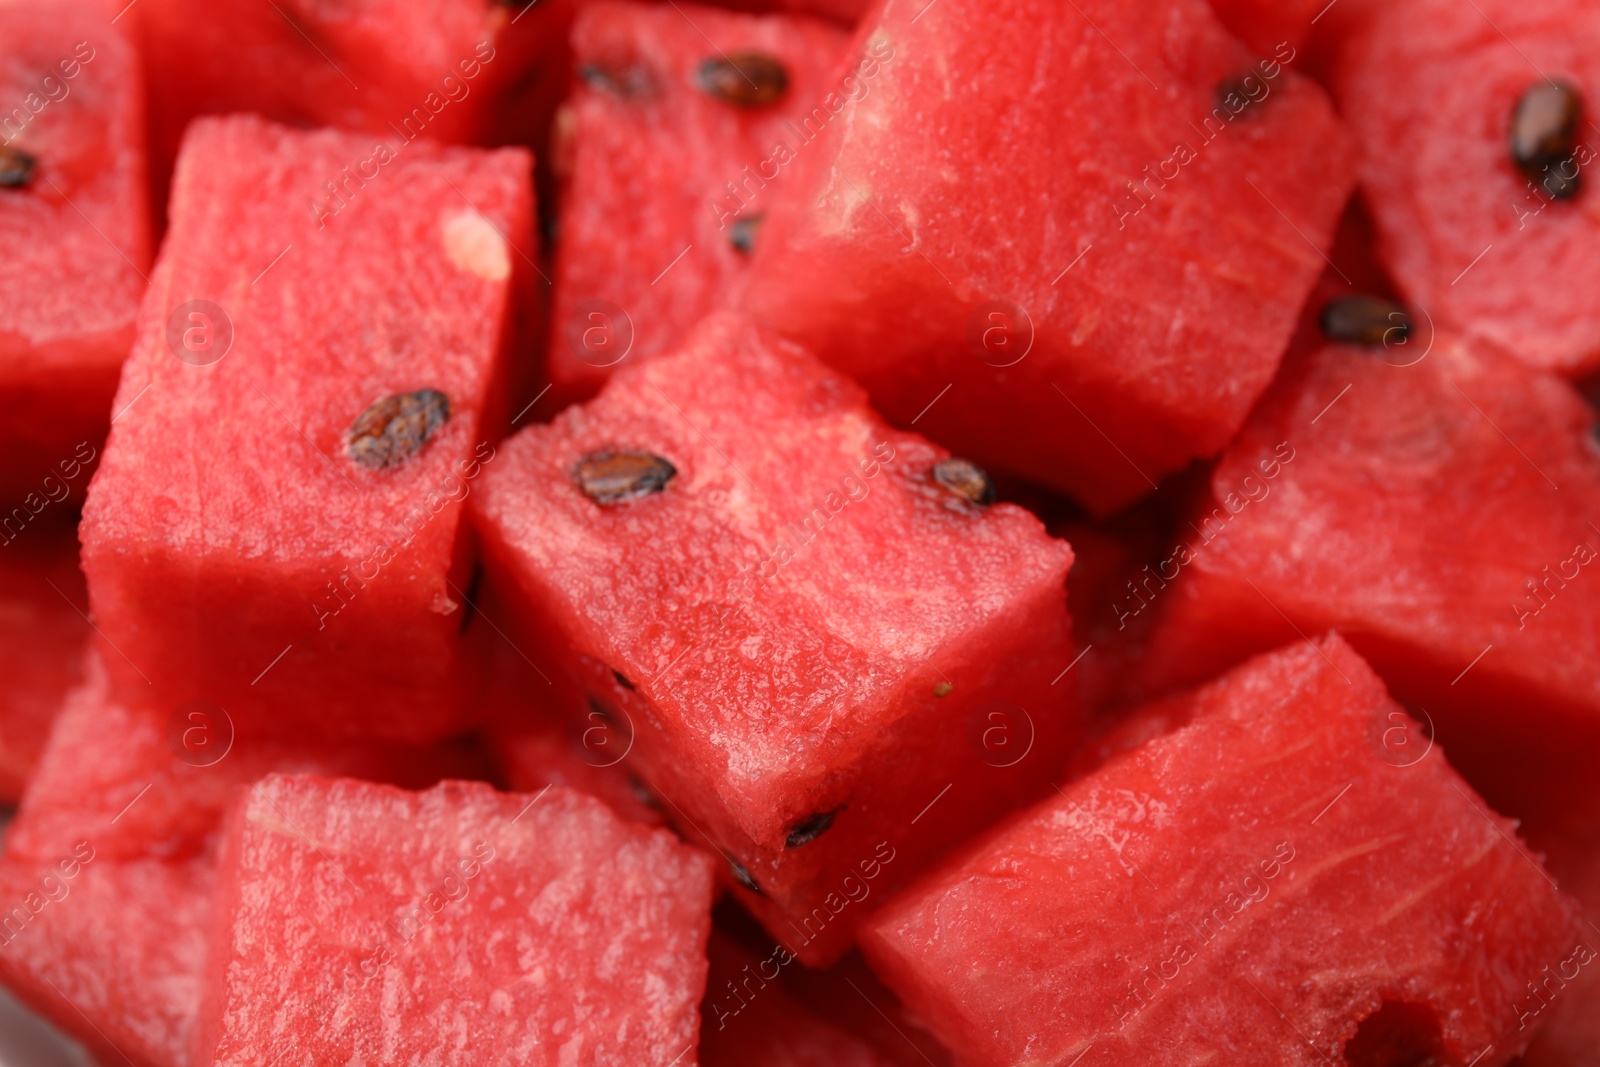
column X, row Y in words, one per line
column 1415, row 509
column 1090, row 311
column 445, row 70
column 362, row 923
column 77, row 240
column 1467, row 235
column 749, row 1018
column 111, row 952
column 1261, row 886
column 43, row 639
column 1267, row 25
column 802, row 636
column 533, row 745
column 136, row 781
column 237, row 549
column 662, row 176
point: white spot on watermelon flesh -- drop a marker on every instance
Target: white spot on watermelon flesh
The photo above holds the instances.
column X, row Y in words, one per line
column 475, row 246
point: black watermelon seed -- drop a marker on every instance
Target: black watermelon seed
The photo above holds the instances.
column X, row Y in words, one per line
column 965, row 479
column 596, row 707
column 809, row 829
column 1365, row 320
column 17, row 167
column 622, row 679
column 742, row 235
column 629, row 81
column 1544, row 137
column 612, row 477
column 742, row 876
column 396, row 427
column 744, row 79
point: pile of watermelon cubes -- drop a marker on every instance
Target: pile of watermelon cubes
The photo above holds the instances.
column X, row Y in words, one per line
column 631, row 533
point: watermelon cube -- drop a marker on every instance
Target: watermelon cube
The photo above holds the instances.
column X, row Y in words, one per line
column 444, row 70
column 665, row 152
column 145, row 782
column 804, row 627
column 75, row 223
column 1478, row 184
column 43, row 640
column 1090, row 311
column 1262, row 885
column 1407, row 496
column 275, row 527
column 362, row 923
column 110, row 951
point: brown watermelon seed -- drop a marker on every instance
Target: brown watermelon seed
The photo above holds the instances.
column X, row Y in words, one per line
column 742, row 876
column 17, row 167
column 396, row 427
column 744, row 79
column 965, row 479
column 622, row 679
column 1544, row 136
column 1365, row 320
column 742, row 235
column 809, row 829
column 612, row 477
column 943, row 689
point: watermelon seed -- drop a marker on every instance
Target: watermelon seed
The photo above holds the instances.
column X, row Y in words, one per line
column 621, row 679
column 612, row 477
column 943, row 689
column 597, row 708
column 16, row 167
column 743, row 233
column 742, row 876
column 1365, row 320
column 396, row 427
column 1544, row 136
column 810, row 828
column 744, row 79
column 965, row 479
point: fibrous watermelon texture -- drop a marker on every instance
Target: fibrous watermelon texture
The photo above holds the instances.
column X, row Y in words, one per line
column 1499, row 249
column 152, row 782
column 817, row 650
column 1436, row 505
column 476, row 71
column 1088, row 309
column 363, row 923
column 1263, row 885
column 44, row 636
column 75, row 223
column 667, row 150
column 276, row 524
column 110, row 951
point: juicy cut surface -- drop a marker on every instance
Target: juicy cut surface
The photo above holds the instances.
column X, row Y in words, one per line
column 76, row 234
column 799, row 631
column 1266, row 884
column 360, row 923
column 268, row 531
column 662, row 176
column 1098, row 248
column 1438, row 171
